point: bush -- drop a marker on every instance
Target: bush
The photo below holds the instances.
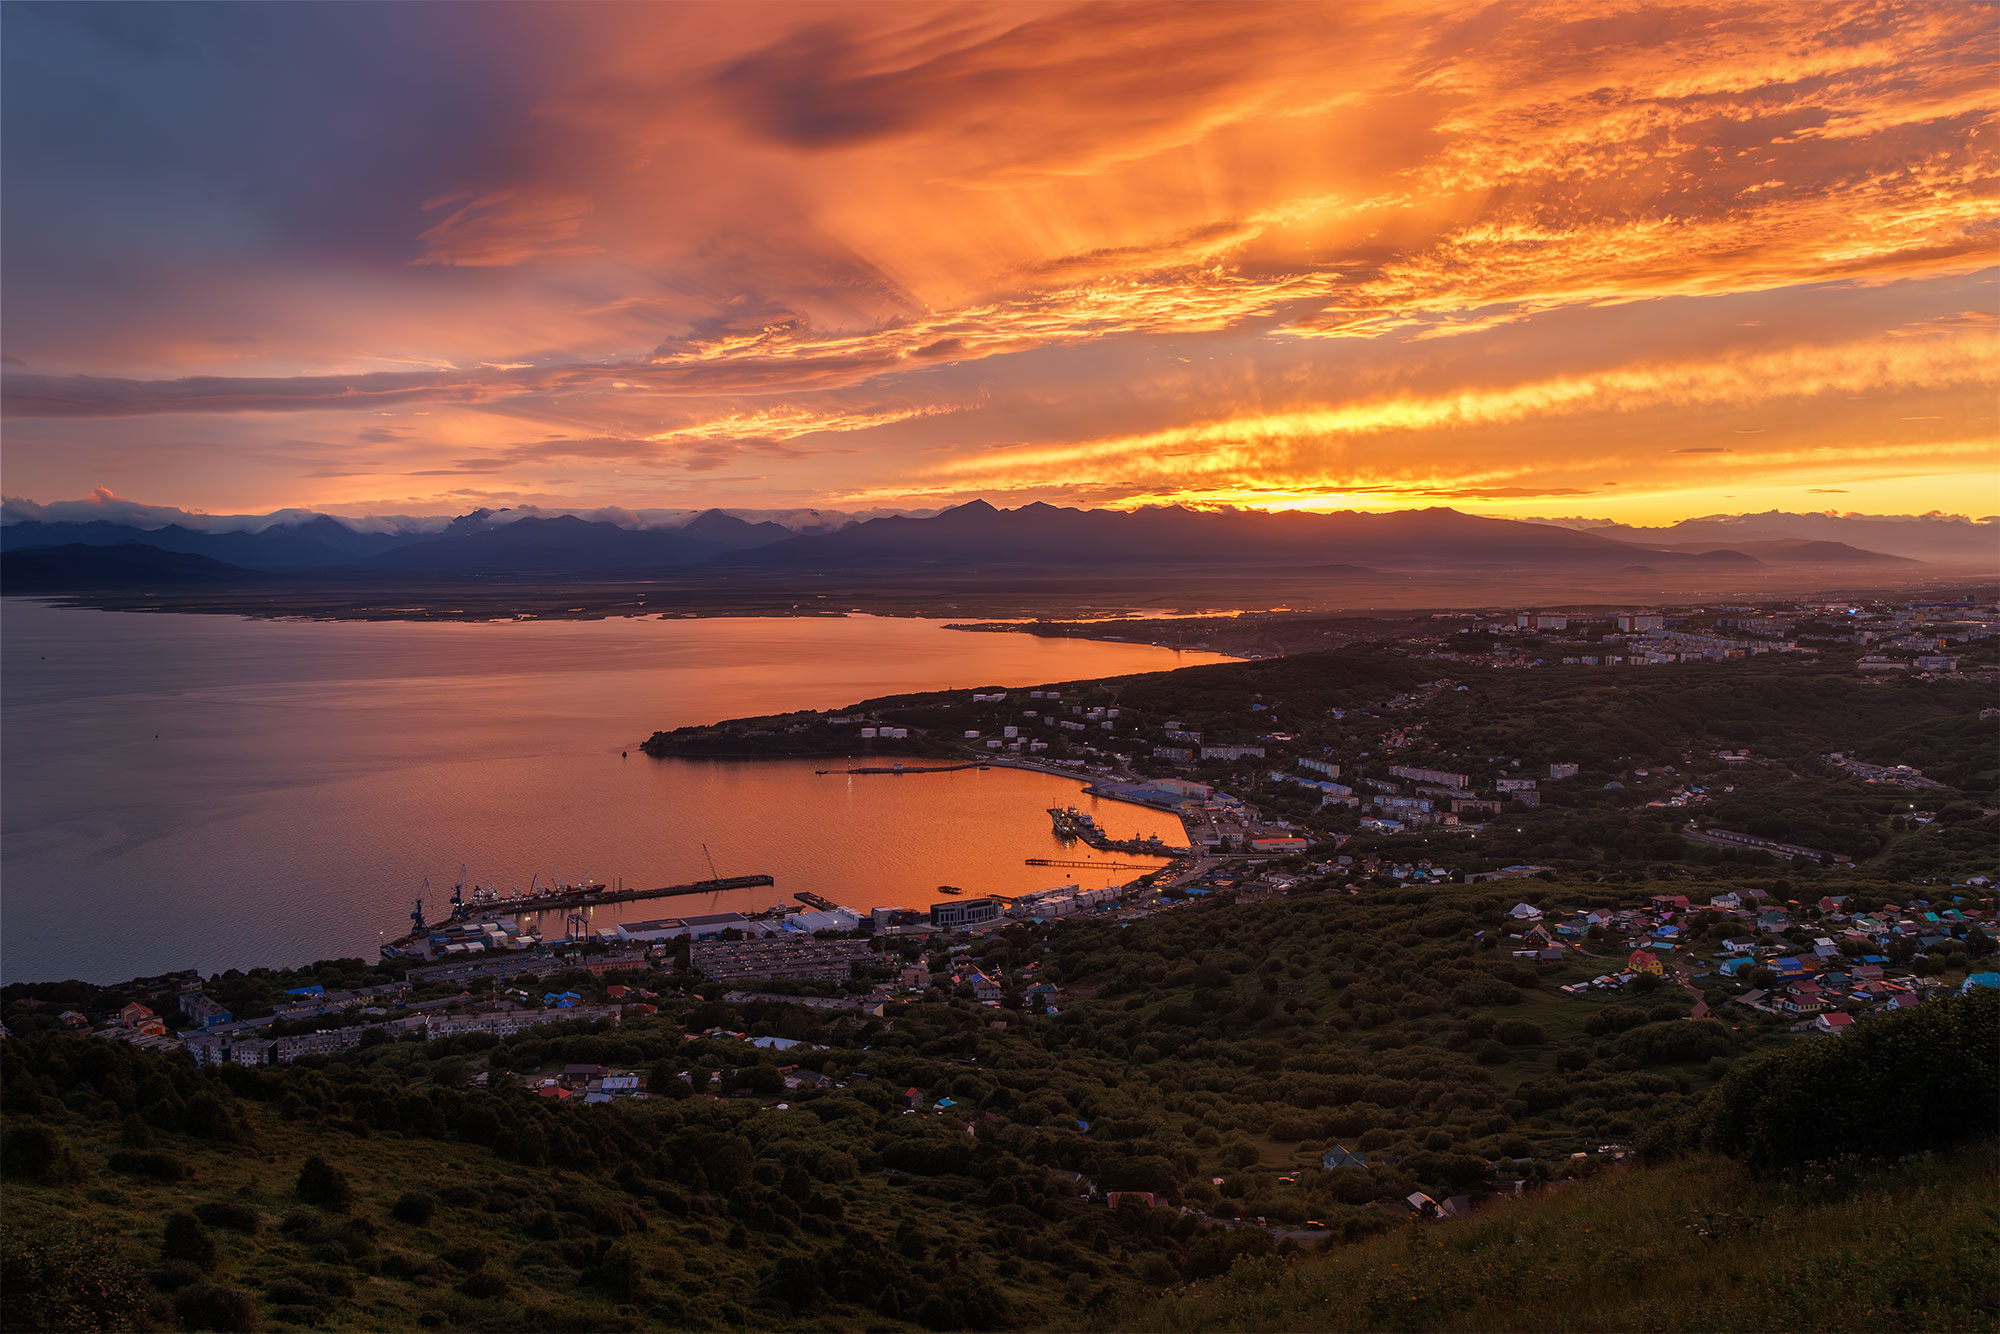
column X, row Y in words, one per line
column 321, row 1183
column 1518, row 1033
column 465, row 1259
column 187, row 1240
column 407, row 1264
column 1675, row 1042
column 174, row 1275
column 212, row 1306
column 230, row 1214
column 1614, row 1019
column 34, row 1152
column 288, row 1291
column 414, row 1207
column 148, row 1163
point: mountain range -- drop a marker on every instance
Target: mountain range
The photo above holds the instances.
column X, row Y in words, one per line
column 973, row 539
column 1938, row 539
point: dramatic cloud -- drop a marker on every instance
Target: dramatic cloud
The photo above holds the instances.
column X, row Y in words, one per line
column 1281, row 254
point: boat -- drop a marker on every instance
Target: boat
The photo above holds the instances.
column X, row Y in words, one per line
column 949, row 889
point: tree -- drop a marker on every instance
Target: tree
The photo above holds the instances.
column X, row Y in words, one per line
column 1895, row 1084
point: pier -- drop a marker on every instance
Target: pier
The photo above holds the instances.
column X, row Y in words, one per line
column 1073, row 825
column 592, row 895
column 560, row 900
column 905, row 769
column 1095, row 866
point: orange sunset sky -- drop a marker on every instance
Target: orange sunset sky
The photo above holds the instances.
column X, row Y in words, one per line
column 1641, row 261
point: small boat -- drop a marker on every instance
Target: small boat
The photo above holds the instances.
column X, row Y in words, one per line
column 949, row 889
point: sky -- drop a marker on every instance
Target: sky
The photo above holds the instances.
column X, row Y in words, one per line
column 1642, row 261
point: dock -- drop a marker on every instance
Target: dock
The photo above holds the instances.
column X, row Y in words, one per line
column 1073, row 825
column 1094, row 866
column 560, row 900
column 591, row 896
column 905, row 769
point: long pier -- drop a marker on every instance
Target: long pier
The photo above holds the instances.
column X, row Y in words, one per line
column 582, row 896
column 905, row 769
column 596, row 894
column 1095, row 866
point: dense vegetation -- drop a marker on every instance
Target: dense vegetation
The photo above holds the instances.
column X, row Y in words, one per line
column 381, row 1188
column 1703, row 1244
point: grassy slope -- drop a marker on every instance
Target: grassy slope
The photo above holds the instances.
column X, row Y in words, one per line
column 406, row 1276
column 1695, row 1245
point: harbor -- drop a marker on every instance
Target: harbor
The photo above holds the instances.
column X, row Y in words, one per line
column 1073, row 825
column 563, row 898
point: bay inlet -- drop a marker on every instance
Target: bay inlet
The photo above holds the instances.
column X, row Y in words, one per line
column 213, row 792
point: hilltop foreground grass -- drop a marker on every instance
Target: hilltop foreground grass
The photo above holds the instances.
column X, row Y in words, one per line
column 1701, row 1244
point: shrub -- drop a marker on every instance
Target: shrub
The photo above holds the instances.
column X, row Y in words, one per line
column 414, row 1206
column 465, row 1259
column 148, row 1163
column 288, row 1291
column 1673, row 1043
column 34, row 1152
column 186, row 1239
column 1518, row 1033
column 212, row 1306
column 230, row 1214
column 174, row 1275
column 1614, row 1019
column 326, row 1280
column 407, row 1264
column 321, row 1183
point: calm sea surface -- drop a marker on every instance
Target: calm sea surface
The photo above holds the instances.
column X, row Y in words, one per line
column 208, row 792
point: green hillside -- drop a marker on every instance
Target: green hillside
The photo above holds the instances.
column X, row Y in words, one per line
column 1698, row 1245
column 947, row 1165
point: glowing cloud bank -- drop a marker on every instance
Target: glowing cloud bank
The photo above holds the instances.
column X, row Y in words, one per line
column 1674, row 258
